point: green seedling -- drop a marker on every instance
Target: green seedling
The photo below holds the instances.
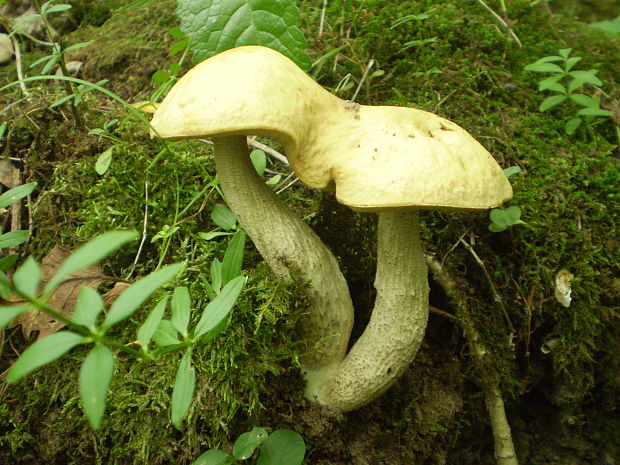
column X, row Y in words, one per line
column 282, row 447
column 502, row 219
column 567, row 83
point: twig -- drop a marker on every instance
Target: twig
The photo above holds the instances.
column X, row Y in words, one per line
column 504, row 448
column 322, row 22
column 144, row 228
column 265, row 148
column 371, row 63
column 502, row 22
column 18, row 66
column 496, row 296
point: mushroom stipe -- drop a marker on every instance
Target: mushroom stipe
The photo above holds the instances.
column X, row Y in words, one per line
column 389, row 160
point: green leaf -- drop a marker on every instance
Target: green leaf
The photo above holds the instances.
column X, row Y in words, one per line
column 6, row 288
column 161, row 76
column 574, row 85
column 181, row 305
column 135, row 295
column 6, row 263
column 90, row 253
column 50, row 64
column 551, row 102
column 233, row 257
column 496, row 228
column 60, row 101
column 214, row 457
column 27, row 278
column 273, row 181
column 506, row 217
column 44, row 351
column 511, row 171
column 543, row 67
column 54, row 8
column 216, row 275
column 213, row 318
column 612, row 26
column 551, row 83
column 178, row 47
column 282, row 447
column 88, row 306
column 13, row 195
column 207, row 236
column 594, row 112
column 259, row 160
column 571, row 125
column 247, row 443
column 165, row 334
column 223, row 217
column 95, row 376
column 13, row 238
column 587, row 76
column 585, row 101
column 571, row 62
column 78, row 46
column 150, row 325
column 9, row 313
column 183, row 391
column 565, row 52
column 214, row 26
column 103, row 162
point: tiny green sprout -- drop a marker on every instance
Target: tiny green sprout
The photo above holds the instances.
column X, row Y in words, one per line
column 502, row 219
column 564, row 81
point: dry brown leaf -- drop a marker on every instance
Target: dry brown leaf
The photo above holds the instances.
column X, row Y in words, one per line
column 63, row 298
column 110, row 297
column 7, row 173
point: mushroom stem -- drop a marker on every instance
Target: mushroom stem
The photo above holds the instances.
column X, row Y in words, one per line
column 397, row 325
column 293, row 252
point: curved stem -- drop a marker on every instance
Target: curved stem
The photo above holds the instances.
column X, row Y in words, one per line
column 293, row 252
column 397, row 325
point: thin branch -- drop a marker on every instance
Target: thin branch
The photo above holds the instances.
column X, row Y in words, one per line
column 18, row 66
column 145, row 224
column 502, row 22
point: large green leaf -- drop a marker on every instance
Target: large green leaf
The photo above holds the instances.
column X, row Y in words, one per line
column 148, row 328
column 181, row 305
column 217, row 25
column 9, row 313
column 42, row 352
column 95, row 376
column 135, row 295
column 27, row 278
column 90, row 253
column 13, row 238
column 87, row 307
column 282, row 447
column 13, row 195
column 183, row 391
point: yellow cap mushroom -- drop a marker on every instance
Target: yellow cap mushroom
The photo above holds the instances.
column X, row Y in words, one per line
column 390, row 160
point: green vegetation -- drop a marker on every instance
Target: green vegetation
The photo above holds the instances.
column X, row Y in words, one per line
column 448, row 57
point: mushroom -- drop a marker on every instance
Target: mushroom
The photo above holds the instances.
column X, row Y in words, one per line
column 389, row 160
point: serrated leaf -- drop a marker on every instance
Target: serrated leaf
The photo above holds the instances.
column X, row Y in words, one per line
column 13, row 195
column 223, row 217
column 135, row 295
column 233, row 257
column 551, row 102
column 213, row 26
column 90, row 253
column 247, row 443
column 88, row 306
column 214, row 457
column 183, row 391
column 259, row 160
column 13, row 238
column 215, row 314
column 103, row 162
column 150, row 325
column 181, row 305
column 42, row 352
column 95, row 375
column 28, row 277
column 282, row 447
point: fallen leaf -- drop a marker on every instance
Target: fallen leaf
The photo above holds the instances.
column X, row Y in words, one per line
column 64, row 296
column 114, row 293
column 7, row 173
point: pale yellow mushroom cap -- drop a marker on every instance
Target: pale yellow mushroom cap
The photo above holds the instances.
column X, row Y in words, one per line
column 374, row 157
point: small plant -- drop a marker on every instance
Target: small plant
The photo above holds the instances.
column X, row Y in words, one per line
column 282, row 447
column 565, row 81
column 502, row 219
column 165, row 79
column 90, row 323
